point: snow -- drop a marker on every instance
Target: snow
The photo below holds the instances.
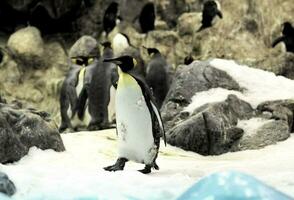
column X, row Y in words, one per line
column 258, row 86
column 77, row 173
column 250, row 126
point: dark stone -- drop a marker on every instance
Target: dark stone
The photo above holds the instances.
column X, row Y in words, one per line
column 211, row 129
column 188, row 80
column 21, row 129
column 6, row 186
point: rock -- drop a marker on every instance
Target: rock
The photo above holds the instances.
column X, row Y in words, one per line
column 188, row 80
column 188, row 23
column 6, row 186
column 271, row 132
column 21, row 129
column 211, row 129
column 86, row 46
column 27, row 47
column 278, row 110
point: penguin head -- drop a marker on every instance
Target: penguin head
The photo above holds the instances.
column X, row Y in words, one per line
column 106, row 44
column 213, row 8
column 287, row 28
column 83, row 61
column 125, row 63
column 152, row 51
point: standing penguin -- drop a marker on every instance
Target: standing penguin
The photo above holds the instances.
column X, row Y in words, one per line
column 73, row 100
column 110, row 17
column 287, row 38
column 138, row 122
column 147, row 18
column 157, row 75
column 211, row 9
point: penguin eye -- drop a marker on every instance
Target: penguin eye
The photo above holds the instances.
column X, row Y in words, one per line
column 90, row 61
column 134, row 62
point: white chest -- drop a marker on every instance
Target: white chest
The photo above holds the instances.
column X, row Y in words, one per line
column 134, row 123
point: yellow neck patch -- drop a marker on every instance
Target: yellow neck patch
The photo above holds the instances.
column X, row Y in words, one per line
column 82, row 73
column 125, row 80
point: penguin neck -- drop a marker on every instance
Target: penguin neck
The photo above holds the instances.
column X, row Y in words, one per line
column 82, row 74
column 124, row 78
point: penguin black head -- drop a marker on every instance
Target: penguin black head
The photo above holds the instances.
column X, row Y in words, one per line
column 288, row 29
column 211, row 9
column 110, row 17
column 152, row 50
column 106, row 44
column 125, row 63
column 83, row 61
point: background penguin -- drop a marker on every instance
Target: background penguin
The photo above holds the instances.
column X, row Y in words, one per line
column 99, row 91
column 157, row 75
column 110, row 17
column 139, row 124
column 287, row 38
column 147, row 18
column 73, row 100
column 1, row 55
column 211, row 9
column 122, row 46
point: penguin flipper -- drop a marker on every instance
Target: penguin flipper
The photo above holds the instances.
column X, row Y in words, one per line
column 278, row 40
column 81, row 103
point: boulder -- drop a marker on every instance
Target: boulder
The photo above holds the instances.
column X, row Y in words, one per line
column 212, row 128
column 21, row 129
column 85, row 46
column 188, row 80
column 6, row 185
column 27, row 47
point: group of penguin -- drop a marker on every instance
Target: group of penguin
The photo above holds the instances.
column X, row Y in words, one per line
column 118, row 86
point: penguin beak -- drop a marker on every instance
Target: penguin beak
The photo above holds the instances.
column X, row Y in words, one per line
column 220, row 14
column 115, row 61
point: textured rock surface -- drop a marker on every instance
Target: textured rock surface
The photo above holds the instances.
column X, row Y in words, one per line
column 21, row 129
column 6, row 185
column 188, row 80
column 211, row 129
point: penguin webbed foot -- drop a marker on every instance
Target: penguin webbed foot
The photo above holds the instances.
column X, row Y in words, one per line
column 119, row 165
column 146, row 170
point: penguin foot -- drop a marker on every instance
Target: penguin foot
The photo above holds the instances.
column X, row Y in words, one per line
column 119, row 165
column 146, row 170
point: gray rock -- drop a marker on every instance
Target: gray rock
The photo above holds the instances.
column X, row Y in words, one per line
column 21, row 129
column 84, row 47
column 189, row 80
column 211, row 129
column 6, row 185
column 26, row 46
column 269, row 133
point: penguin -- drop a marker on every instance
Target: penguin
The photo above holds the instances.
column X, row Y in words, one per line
column 1, row 56
column 110, row 17
column 120, row 43
column 211, row 9
column 138, row 121
column 157, row 76
column 108, row 53
column 73, row 104
column 287, row 38
column 147, row 18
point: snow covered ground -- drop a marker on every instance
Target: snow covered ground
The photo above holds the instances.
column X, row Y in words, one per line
column 77, row 173
column 258, row 86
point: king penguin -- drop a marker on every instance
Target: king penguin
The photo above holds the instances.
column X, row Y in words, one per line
column 110, row 17
column 84, row 56
column 157, row 76
column 138, row 121
column 147, row 18
column 211, row 9
column 287, row 38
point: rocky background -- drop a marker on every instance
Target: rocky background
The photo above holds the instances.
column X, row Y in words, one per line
column 39, row 34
